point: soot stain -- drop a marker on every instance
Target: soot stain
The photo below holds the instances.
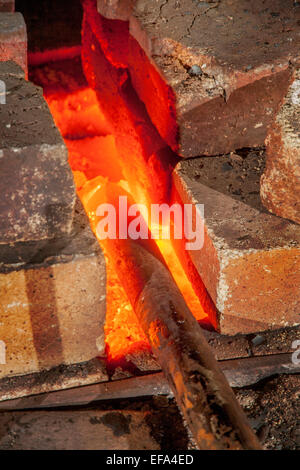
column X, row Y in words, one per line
column 118, row 423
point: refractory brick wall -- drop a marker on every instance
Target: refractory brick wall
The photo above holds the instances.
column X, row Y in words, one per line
column 216, row 77
column 213, row 79
column 52, row 270
column 213, row 76
column 53, row 310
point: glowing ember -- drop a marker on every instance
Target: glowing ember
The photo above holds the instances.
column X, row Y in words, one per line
column 181, row 279
column 95, row 161
column 123, row 333
column 77, row 114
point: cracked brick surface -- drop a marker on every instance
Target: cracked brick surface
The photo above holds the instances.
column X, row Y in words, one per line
column 212, row 74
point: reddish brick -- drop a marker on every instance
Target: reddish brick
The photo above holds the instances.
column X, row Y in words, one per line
column 280, row 183
column 37, row 188
column 211, row 74
column 7, row 5
column 13, row 39
column 250, row 261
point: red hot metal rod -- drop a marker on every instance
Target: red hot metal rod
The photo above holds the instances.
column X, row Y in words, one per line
column 202, row 392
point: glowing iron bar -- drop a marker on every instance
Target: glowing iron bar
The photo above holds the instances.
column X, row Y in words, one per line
column 77, row 114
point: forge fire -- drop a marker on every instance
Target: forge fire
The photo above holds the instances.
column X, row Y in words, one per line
column 149, row 225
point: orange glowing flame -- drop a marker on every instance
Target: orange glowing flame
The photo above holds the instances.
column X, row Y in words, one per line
column 94, row 160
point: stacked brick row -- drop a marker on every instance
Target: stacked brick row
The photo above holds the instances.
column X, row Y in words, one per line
column 52, row 271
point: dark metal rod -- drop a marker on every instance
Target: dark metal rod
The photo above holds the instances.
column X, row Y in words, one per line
column 239, row 373
column 202, row 392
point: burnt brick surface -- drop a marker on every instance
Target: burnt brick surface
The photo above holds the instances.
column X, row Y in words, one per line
column 37, row 188
column 13, row 39
column 211, row 74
